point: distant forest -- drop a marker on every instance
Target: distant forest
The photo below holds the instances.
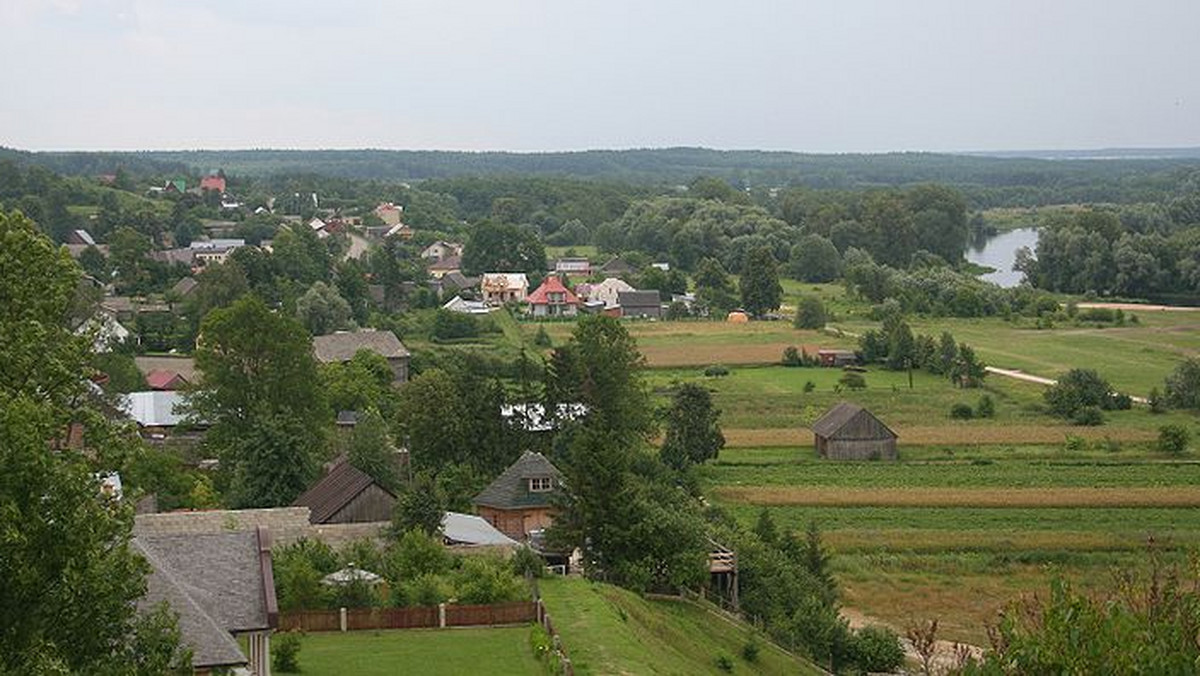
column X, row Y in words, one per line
column 986, row 180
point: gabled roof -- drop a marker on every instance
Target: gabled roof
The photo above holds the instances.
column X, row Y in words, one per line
column 468, row 529
column 154, row 408
column 185, row 286
column 448, row 263
column 335, row 490
column 459, row 280
column 165, row 380
column 343, row 345
column 218, row 583
column 851, row 421
column 639, row 298
column 616, row 265
column 552, row 284
column 510, row 490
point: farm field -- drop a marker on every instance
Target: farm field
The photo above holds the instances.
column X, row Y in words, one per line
column 506, row 651
column 955, row 533
column 608, row 630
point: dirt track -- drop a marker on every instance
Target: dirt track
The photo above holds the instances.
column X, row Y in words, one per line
column 1126, row 307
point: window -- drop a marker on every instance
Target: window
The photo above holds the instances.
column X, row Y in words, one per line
column 540, row 484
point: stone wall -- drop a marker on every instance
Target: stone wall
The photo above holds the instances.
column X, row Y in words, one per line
column 286, row 525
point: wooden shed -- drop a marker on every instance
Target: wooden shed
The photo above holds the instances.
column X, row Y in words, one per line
column 347, row 495
column 850, row 432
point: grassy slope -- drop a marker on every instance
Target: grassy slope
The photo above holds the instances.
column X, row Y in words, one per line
column 418, row 651
column 607, row 630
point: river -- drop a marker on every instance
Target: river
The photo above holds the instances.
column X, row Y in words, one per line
column 1000, row 252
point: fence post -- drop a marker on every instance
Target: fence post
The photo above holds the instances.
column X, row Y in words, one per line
column 541, row 608
column 568, row 670
column 342, row 619
column 442, row 615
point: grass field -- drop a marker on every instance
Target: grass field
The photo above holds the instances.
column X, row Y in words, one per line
column 607, row 630
column 504, row 651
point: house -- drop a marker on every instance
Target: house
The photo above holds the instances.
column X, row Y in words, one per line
column 606, row 291
column 389, row 213
column 165, row 380
column 176, row 186
column 850, row 432
column 214, row 250
column 399, row 230
column 468, row 530
column 576, row 267
column 222, row 588
column 108, row 331
column 615, row 267
column 184, row 287
column 445, row 266
column 453, row 282
column 347, row 494
column 318, row 226
column 466, row 307
column 552, row 299
column 157, row 412
column 81, row 237
column 643, row 304
column 213, row 182
column 184, row 366
column 520, row 499
column 499, row 288
column 185, row 256
column 440, row 250
column 341, row 347
column 837, row 358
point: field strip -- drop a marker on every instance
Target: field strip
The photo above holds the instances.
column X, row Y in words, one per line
column 1139, row 496
column 940, row 541
column 962, row 435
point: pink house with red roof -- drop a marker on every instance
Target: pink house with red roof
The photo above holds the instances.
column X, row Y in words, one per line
column 552, row 299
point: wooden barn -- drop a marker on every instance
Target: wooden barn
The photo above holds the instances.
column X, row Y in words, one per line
column 346, row 494
column 850, row 432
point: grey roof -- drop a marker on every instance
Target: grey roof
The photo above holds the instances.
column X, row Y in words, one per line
column 187, row 256
column 335, row 490
column 347, row 418
column 218, row 583
column 343, row 345
column 459, row 280
column 510, row 490
column 154, row 408
column 851, row 421
column 639, row 298
column 616, row 265
column 185, row 286
column 468, row 529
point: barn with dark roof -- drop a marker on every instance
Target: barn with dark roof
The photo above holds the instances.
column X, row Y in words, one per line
column 346, row 494
column 850, row 432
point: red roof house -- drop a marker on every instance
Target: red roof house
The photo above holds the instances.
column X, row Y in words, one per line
column 552, row 299
column 213, row 182
column 165, row 380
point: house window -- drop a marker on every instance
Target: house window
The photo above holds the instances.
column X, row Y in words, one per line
column 540, row 484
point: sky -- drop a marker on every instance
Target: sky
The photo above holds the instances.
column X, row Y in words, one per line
column 531, row 75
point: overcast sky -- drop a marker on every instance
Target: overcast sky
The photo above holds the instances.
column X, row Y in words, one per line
column 832, row 76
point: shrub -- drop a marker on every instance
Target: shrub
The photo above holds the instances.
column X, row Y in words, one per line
column 449, row 325
column 1173, row 439
column 716, row 371
column 1078, row 388
column 1158, row 403
column 725, row 663
column 1183, row 385
column 791, row 356
column 809, row 386
column 876, row 649
column 1075, row 443
column 528, row 563
column 961, row 411
column 751, row 649
column 986, row 408
column 810, row 313
column 1120, row 402
column 542, row 339
column 1089, row 416
column 285, row 652
column 854, row 381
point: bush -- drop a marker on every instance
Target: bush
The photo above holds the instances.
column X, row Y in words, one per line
column 986, row 408
column 1158, row 403
column 876, row 649
column 716, row 371
column 542, row 339
column 809, row 386
column 810, row 313
column 725, row 663
column 751, row 649
column 449, row 325
column 1077, row 389
column 854, row 381
column 1120, row 402
column 1173, row 439
column 285, row 652
column 1075, row 443
column 528, row 563
column 961, row 411
column 791, row 356
column 1183, row 385
column 1089, row 416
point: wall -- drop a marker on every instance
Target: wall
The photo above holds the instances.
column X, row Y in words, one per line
column 286, row 525
column 861, row 449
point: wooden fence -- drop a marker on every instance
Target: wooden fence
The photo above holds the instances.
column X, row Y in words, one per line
column 354, row 619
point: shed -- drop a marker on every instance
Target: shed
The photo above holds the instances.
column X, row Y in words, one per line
column 850, row 432
column 645, row 304
column 347, row 495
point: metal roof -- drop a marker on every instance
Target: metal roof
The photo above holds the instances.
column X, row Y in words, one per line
column 155, row 408
column 468, row 529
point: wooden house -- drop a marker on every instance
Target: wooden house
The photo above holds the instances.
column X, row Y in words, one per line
column 519, row 501
column 346, row 494
column 850, row 432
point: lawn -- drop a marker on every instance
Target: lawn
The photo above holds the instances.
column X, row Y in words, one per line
column 607, row 630
column 504, row 650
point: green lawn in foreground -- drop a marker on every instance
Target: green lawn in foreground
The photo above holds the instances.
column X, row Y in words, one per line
column 608, row 630
column 502, row 651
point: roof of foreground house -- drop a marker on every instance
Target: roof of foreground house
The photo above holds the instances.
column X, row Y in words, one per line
column 510, row 490
column 343, row 345
column 218, row 583
column 851, row 421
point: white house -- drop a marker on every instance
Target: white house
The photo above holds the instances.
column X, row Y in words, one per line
column 608, row 290
column 499, row 288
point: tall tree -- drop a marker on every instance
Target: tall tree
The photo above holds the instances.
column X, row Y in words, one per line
column 761, row 291
column 503, row 247
column 371, row 449
column 69, row 575
column 259, row 383
column 322, row 310
column 693, row 428
column 815, row 259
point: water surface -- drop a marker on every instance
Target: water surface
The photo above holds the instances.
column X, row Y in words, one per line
column 1000, row 252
